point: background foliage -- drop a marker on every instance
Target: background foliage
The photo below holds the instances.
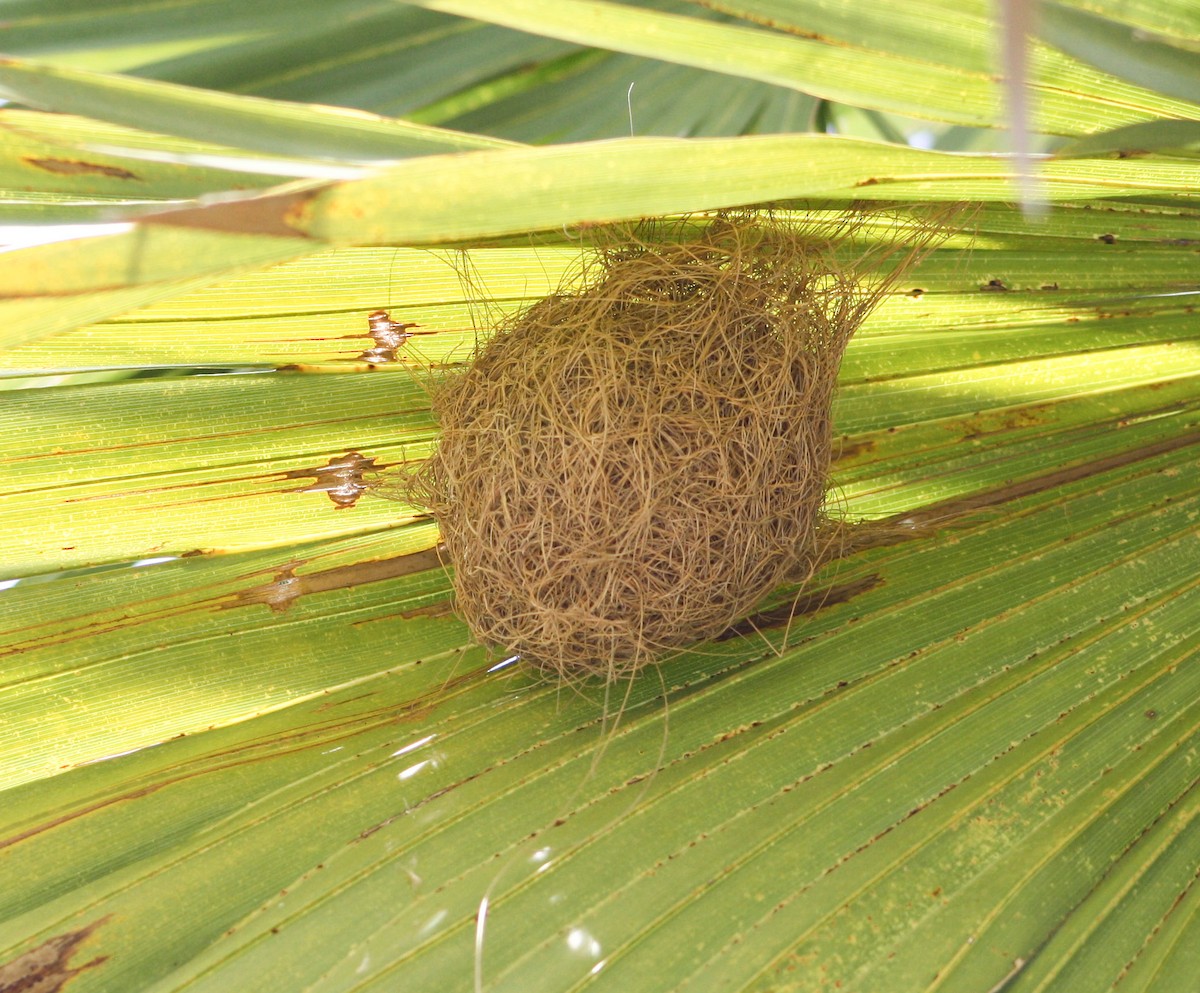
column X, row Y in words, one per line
column 244, row 744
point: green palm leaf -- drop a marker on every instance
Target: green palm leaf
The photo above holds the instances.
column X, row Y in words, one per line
column 244, row 742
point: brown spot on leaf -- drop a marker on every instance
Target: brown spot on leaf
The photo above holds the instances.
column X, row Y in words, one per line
column 47, row 968
column 77, row 167
column 284, row 215
column 852, row 449
column 277, row 594
column 342, row 478
column 286, row 587
column 389, row 336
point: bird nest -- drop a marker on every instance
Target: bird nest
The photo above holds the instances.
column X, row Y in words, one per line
column 630, row 464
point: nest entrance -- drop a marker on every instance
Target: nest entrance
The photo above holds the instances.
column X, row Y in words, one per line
column 629, row 466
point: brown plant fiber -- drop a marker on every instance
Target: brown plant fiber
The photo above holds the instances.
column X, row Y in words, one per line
column 628, row 466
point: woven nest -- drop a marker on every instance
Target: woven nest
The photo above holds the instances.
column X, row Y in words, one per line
column 629, row 466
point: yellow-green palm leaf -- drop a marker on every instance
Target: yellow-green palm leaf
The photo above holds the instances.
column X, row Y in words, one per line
column 245, row 744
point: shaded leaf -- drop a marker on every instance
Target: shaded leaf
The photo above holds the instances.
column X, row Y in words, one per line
column 876, row 62
column 1171, row 137
column 1122, row 49
column 269, row 126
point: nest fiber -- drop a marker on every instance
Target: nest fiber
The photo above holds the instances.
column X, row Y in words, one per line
column 629, row 465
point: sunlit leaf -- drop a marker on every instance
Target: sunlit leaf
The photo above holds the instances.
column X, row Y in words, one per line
column 246, row 745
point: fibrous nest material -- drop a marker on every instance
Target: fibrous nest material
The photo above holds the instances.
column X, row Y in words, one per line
column 630, row 464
